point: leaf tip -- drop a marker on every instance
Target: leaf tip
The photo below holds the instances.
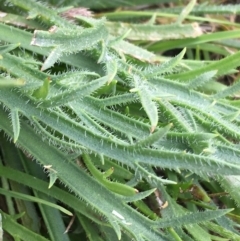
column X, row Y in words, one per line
column 152, row 129
column 136, row 191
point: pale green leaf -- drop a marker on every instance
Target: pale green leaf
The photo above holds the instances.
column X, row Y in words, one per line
column 231, row 184
column 115, row 224
column 15, row 123
column 139, row 196
column 81, row 91
column 10, row 82
column 68, row 40
column 152, row 138
column 185, row 12
column 154, row 32
column 230, row 91
column 143, row 89
column 34, row 199
column 52, row 178
column 18, row 230
column 202, row 79
column 164, row 67
column 191, row 218
column 7, row 48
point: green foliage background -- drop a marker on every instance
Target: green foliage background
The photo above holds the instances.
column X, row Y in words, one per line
column 106, row 137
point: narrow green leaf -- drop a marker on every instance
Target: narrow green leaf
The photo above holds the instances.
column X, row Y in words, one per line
column 50, row 216
column 106, row 4
column 123, row 15
column 88, row 121
column 222, row 66
column 52, row 178
column 17, row 67
column 217, row 123
column 139, row 196
column 175, row 234
column 201, row 80
column 206, row 8
column 119, row 188
column 231, row 184
column 164, row 67
column 190, row 42
column 134, row 51
column 154, row 32
column 10, row 82
column 152, row 20
column 224, row 232
column 191, row 218
column 15, row 124
column 7, row 48
column 17, row 230
column 13, row 157
column 118, row 99
column 36, row 9
column 17, row 20
column 197, row 141
column 52, row 58
column 150, row 108
column 55, row 192
column 114, row 223
column 120, row 38
column 1, row 231
column 179, row 95
column 150, row 176
column 146, row 98
column 173, row 114
column 143, row 208
column 152, row 138
column 107, row 89
column 111, row 118
column 92, row 232
column 33, row 199
column 54, row 139
column 109, row 234
column 233, row 116
column 81, row 91
column 185, row 12
column 198, row 233
column 230, row 91
column 80, row 60
column 119, row 171
column 68, row 40
column 70, row 79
